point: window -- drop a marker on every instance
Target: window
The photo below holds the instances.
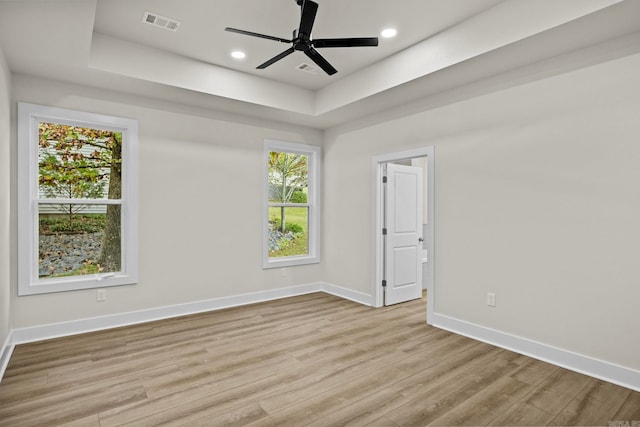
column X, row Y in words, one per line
column 77, row 205
column 291, row 207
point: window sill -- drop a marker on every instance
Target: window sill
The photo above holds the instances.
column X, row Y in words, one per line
column 290, row 261
column 65, row 284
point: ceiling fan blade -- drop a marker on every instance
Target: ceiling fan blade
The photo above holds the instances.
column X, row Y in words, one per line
column 320, row 61
column 262, row 36
column 309, row 10
column 276, row 58
column 348, row 42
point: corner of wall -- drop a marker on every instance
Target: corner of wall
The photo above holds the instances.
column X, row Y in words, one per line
column 349, row 294
column 5, row 354
column 5, row 211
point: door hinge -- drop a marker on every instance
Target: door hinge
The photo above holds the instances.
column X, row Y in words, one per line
column 384, row 179
column 384, row 231
column 384, row 283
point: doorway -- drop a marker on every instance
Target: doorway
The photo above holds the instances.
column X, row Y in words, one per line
column 424, row 159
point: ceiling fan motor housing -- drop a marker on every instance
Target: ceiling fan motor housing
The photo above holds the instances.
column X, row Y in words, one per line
column 302, row 42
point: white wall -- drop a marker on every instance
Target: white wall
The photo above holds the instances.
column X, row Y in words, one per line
column 536, row 198
column 200, row 202
column 5, row 189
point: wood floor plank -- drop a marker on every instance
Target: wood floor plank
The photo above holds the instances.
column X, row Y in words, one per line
column 630, row 410
column 239, row 415
column 426, row 407
column 70, row 408
column 522, row 414
column 596, row 404
column 314, row 360
column 480, row 409
column 364, row 412
column 451, row 344
column 173, row 409
column 224, row 379
column 323, row 403
column 306, row 390
column 54, row 394
column 555, row 393
column 43, row 363
column 213, row 397
column 441, row 370
column 546, row 400
column 534, row 371
column 90, row 421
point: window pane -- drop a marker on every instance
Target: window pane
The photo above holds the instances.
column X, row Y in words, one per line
column 288, row 231
column 78, row 162
column 78, row 239
column 288, row 177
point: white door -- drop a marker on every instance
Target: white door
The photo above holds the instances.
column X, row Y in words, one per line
column 403, row 239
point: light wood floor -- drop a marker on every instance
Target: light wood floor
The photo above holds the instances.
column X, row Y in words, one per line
column 312, row 360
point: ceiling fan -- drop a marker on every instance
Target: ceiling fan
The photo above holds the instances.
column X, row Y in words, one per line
column 303, row 42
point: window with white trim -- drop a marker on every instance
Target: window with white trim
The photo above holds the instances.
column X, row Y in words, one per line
column 291, row 204
column 77, row 200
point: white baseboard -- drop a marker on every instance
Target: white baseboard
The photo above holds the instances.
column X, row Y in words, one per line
column 606, row 371
column 620, row 375
column 73, row 327
column 5, row 353
column 56, row 330
column 349, row 294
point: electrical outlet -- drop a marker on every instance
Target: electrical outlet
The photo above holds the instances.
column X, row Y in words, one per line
column 491, row 299
column 101, row 295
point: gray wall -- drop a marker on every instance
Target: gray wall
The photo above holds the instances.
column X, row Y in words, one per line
column 536, row 200
column 200, row 195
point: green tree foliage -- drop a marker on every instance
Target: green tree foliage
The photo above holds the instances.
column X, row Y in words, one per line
column 66, row 169
column 77, row 162
column 299, row 197
column 288, row 174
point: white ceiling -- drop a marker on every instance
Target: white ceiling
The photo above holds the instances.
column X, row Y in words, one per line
column 441, row 44
column 201, row 34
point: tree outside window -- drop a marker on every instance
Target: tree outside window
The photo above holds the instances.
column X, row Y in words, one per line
column 292, row 226
column 79, row 163
column 77, row 211
column 288, row 174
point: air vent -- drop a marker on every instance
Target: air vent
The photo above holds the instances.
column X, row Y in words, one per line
column 307, row 68
column 160, row 21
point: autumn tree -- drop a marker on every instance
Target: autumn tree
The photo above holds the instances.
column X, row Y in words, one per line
column 66, row 173
column 78, row 163
column 287, row 174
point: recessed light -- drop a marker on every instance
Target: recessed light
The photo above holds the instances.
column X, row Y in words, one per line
column 238, row 54
column 388, row 33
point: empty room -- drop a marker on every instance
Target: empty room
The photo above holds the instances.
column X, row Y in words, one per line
column 328, row 213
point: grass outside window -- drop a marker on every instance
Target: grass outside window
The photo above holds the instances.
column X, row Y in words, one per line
column 296, row 229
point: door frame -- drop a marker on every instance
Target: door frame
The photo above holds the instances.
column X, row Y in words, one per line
column 378, row 163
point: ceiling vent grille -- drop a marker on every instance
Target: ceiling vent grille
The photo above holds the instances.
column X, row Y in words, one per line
column 160, row 21
column 307, row 68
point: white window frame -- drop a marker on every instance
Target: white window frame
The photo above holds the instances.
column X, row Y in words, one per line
column 29, row 116
column 313, row 203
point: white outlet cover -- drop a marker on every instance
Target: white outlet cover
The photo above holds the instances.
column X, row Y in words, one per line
column 491, row 299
